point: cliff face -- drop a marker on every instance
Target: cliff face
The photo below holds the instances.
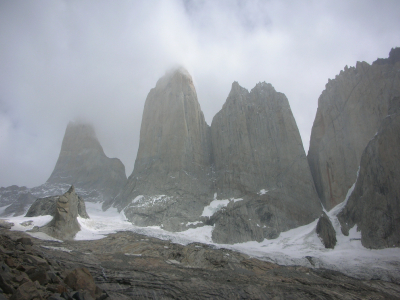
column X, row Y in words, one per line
column 82, row 163
column 259, row 156
column 374, row 205
column 172, row 173
column 349, row 113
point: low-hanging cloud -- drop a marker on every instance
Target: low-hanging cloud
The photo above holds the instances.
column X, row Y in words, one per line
column 97, row 60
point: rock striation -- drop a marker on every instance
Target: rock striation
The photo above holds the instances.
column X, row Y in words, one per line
column 350, row 111
column 374, row 205
column 64, row 224
column 83, row 163
column 259, row 156
column 171, row 180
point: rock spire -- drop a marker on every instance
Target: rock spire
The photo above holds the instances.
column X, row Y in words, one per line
column 83, row 163
column 259, row 157
column 171, row 177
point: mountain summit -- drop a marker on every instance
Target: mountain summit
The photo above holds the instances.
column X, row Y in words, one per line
column 171, row 178
column 83, row 163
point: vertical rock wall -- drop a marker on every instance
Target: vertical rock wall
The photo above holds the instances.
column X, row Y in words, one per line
column 259, row 156
column 172, row 178
column 349, row 113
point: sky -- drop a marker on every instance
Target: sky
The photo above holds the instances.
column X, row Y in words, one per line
column 97, row 60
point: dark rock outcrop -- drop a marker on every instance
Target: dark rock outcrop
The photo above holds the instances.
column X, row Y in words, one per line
column 326, row 232
column 17, row 199
column 171, row 180
column 349, row 113
column 259, row 157
column 27, row 273
column 20, row 205
column 83, row 163
column 374, row 205
column 64, row 224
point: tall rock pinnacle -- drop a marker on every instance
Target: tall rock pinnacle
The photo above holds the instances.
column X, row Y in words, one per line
column 82, row 163
column 174, row 157
column 259, row 156
column 349, row 113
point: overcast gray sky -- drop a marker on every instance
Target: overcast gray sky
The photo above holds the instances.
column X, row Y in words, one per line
column 97, row 60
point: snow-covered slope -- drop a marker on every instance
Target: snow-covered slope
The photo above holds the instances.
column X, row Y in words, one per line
column 300, row 246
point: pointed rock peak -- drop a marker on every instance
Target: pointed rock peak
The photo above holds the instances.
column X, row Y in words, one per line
column 237, row 93
column 71, row 190
column 236, row 87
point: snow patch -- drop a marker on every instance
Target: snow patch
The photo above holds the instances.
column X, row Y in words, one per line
column 57, row 248
column 217, row 205
column 193, row 223
column 262, row 192
column 137, row 198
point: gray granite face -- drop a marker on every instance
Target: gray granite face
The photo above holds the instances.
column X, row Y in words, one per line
column 82, row 163
column 259, row 157
column 350, row 110
column 253, row 145
column 374, row 205
column 173, row 166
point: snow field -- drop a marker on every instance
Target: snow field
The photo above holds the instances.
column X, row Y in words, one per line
column 299, row 246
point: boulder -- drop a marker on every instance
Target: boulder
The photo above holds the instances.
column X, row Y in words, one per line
column 80, row 279
column 374, row 205
column 326, row 232
column 349, row 113
column 259, row 157
column 64, row 224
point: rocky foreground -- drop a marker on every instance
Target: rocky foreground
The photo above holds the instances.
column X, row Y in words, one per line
column 127, row 265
